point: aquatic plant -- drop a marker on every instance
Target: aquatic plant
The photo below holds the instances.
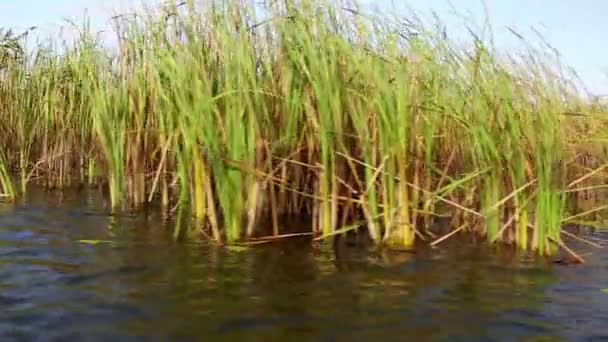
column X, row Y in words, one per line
column 233, row 113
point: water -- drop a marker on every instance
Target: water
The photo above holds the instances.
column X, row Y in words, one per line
column 147, row 287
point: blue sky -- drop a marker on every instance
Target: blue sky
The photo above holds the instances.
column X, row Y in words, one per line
column 576, row 28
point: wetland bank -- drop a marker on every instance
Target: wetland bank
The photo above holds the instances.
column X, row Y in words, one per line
column 233, row 114
column 142, row 181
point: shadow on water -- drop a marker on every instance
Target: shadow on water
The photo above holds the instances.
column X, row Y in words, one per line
column 146, row 286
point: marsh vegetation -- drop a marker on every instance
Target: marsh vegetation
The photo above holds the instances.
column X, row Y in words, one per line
column 236, row 114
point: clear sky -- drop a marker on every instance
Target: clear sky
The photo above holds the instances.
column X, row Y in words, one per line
column 576, row 28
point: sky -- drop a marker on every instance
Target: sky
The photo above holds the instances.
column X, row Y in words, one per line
column 577, row 29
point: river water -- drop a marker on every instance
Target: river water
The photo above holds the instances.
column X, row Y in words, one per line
column 146, row 286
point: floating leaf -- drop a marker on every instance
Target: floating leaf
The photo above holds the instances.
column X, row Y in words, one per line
column 94, row 242
column 237, row 248
column 605, row 290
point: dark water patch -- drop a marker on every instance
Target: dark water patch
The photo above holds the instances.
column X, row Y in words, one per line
column 253, row 324
column 6, row 301
column 16, row 252
column 112, row 273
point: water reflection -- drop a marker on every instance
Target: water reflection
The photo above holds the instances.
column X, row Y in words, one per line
column 146, row 285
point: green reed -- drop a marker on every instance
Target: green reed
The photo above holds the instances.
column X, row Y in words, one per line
column 233, row 113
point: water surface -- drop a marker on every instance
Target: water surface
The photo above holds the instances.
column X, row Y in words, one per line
column 146, row 286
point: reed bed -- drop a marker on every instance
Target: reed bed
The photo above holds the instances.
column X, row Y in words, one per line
column 235, row 114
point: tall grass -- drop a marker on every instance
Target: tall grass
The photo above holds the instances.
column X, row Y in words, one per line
column 234, row 113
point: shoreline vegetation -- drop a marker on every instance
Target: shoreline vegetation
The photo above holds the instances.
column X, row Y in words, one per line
column 236, row 114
